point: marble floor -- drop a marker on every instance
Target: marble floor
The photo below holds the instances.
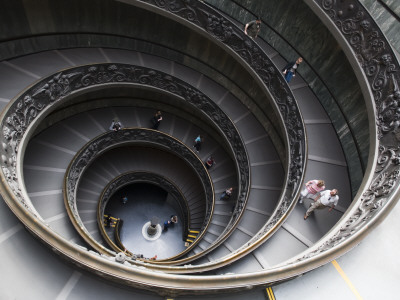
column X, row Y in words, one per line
column 146, row 201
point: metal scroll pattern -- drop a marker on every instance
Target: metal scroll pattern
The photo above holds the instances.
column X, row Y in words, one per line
column 229, row 34
column 382, row 72
column 156, row 179
column 41, row 96
column 129, row 136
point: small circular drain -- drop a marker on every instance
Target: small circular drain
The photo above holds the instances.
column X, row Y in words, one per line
column 155, row 231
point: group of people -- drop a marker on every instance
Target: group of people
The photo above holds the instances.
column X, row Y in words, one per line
column 252, row 29
column 155, row 121
column 116, row 125
column 141, row 256
column 315, row 190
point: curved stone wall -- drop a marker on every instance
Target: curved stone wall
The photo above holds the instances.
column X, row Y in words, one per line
column 380, row 190
column 308, row 37
column 52, row 28
column 131, row 178
column 127, row 136
column 94, row 23
column 387, row 15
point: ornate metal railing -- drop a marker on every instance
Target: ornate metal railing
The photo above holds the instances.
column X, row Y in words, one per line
column 374, row 60
column 36, row 102
column 366, row 46
column 46, row 94
column 117, row 236
column 128, row 136
column 119, row 246
column 209, row 22
column 139, row 176
column 32, row 106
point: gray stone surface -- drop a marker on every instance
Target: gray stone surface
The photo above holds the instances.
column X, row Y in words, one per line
column 308, row 37
column 52, row 269
column 93, row 56
column 273, row 252
column 74, row 19
column 387, row 16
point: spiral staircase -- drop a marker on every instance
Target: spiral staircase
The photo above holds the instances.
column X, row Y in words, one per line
column 65, row 77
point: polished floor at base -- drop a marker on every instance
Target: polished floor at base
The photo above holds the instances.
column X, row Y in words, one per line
column 369, row 271
column 146, row 201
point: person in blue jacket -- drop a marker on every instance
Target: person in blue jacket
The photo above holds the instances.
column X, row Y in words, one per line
column 290, row 69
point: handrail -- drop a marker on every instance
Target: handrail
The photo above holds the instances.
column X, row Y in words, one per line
column 315, row 76
column 115, row 246
column 376, row 64
column 95, row 262
column 144, row 176
column 66, row 83
column 203, row 18
column 127, row 136
column 117, row 237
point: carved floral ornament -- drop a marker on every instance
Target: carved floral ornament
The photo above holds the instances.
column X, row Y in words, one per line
column 379, row 64
column 131, row 136
column 232, row 37
column 39, row 99
column 381, row 69
column 133, row 177
column 43, row 95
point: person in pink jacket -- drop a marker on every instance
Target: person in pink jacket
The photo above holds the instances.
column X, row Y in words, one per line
column 312, row 189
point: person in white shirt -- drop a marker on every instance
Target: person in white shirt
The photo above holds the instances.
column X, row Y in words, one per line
column 326, row 198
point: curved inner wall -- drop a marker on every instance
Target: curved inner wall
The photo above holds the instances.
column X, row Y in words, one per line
column 79, row 28
column 308, row 37
column 144, row 202
column 63, row 25
column 341, row 98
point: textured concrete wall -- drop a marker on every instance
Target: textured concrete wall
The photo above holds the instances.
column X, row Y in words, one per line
column 294, row 30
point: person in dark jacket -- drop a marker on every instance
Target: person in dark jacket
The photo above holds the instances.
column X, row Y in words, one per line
column 253, row 28
column 290, row 69
column 156, row 120
column 115, row 125
column 226, row 194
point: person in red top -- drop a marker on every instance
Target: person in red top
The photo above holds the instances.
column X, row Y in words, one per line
column 312, row 189
column 210, row 162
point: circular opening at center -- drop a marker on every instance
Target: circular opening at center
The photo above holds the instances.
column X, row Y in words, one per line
column 146, row 211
